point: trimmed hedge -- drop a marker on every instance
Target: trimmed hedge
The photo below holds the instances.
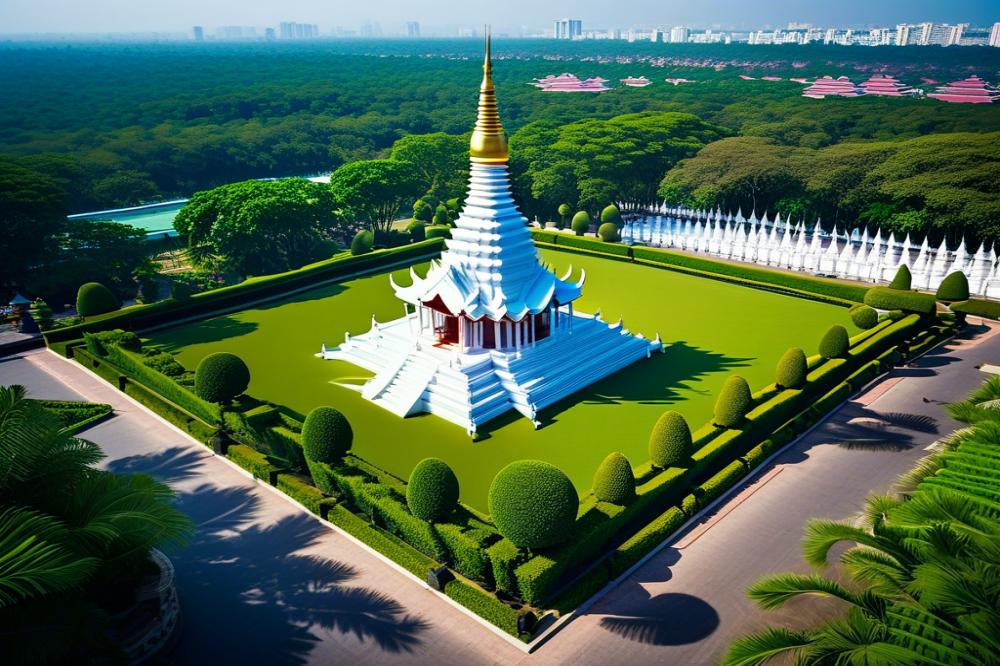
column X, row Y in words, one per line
column 437, row 231
column 221, row 377
column 954, row 287
column 886, row 298
column 835, row 342
column 614, row 481
column 670, row 440
column 978, row 308
column 581, row 223
column 643, row 541
column 608, row 232
column 465, row 550
column 505, row 557
column 252, row 461
column 93, row 298
column 864, row 316
column 593, row 245
column 733, row 403
column 75, row 415
column 484, row 605
column 326, row 435
column 611, row 215
column 397, row 551
column 432, row 493
column 903, row 280
column 533, row 503
column 792, row 369
column 183, row 420
column 362, row 243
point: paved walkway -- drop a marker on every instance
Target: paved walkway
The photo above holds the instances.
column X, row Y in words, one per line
column 263, row 581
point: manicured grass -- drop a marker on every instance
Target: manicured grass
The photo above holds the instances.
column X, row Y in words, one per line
column 713, row 329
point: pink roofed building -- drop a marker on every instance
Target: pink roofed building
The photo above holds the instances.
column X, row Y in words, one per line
column 972, row 90
column 770, row 78
column 570, row 83
column 827, row 86
column 633, row 82
column 887, row 86
column 747, row 77
column 677, row 82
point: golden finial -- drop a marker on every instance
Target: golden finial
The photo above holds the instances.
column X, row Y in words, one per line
column 489, row 143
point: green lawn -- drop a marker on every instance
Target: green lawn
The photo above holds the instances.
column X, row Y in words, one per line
column 713, row 329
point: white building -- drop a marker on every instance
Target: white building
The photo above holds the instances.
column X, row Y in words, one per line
column 680, row 34
column 995, row 35
column 567, row 28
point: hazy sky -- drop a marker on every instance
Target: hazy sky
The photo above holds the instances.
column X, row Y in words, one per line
column 180, row 15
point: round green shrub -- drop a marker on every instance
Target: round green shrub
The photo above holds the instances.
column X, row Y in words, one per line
column 612, row 215
column 670, row 440
column 564, row 212
column 438, row 231
column 417, row 231
column 363, row 242
column 130, row 341
column 581, row 223
column 903, row 279
column 614, row 481
column 954, row 287
column 220, row 377
column 422, row 211
column 835, row 342
column 733, row 403
column 93, row 298
column 608, row 232
column 432, row 492
column 792, row 369
column 326, row 435
column 864, row 316
column 533, row 503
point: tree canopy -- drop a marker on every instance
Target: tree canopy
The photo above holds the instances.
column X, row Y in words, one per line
column 441, row 160
column 374, row 191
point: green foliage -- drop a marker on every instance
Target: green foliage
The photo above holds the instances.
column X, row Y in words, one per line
column 251, row 460
column 440, row 160
column 670, row 440
column 326, row 435
column 979, row 308
column 612, row 215
column 733, row 403
column 885, row 298
column 93, row 298
column 608, row 232
column 417, row 231
column 432, row 492
column 954, row 287
column 533, row 503
column 180, row 291
column 792, row 369
column 581, row 223
column 363, row 242
column 220, row 377
column 643, row 541
column 300, row 491
column 614, row 481
column 374, row 191
column 835, row 342
column 864, row 316
column 903, row 278
column 438, row 231
column 256, row 227
column 164, row 363
column 42, row 313
column 484, row 605
column 564, row 210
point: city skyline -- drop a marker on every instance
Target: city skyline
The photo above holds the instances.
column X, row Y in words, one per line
column 517, row 17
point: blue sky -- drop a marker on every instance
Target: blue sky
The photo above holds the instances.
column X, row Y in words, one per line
column 177, row 15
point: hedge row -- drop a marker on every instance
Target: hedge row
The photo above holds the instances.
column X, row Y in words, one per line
column 978, row 308
column 886, row 298
column 252, row 289
column 416, row 563
column 484, row 605
column 75, row 415
column 253, row 461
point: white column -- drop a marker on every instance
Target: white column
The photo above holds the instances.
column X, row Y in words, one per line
column 517, row 335
column 496, row 335
column 533, row 330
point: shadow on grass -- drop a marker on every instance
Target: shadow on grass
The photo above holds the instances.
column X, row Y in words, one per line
column 248, row 593
column 215, row 329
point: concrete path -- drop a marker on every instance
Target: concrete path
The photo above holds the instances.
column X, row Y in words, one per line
column 263, row 582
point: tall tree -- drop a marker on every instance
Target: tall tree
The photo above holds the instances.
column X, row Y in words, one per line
column 32, row 215
column 374, row 191
column 442, row 160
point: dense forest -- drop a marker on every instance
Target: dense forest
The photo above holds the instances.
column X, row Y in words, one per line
column 90, row 126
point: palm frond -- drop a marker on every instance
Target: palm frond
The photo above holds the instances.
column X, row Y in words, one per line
column 762, row 646
column 822, row 535
column 775, row 590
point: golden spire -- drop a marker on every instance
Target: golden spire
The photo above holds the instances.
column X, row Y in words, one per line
column 489, row 143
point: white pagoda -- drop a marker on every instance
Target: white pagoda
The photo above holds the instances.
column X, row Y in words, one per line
column 488, row 329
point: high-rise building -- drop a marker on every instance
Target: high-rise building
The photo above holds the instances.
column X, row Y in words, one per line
column 412, row 29
column 199, row 33
column 656, row 36
column 679, row 34
column 995, row 35
column 945, row 34
column 293, row 30
column 567, row 28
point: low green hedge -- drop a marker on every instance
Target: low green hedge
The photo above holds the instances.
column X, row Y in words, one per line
column 593, row 244
column 252, row 461
column 301, row 491
column 978, row 308
column 394, row 549
column 465, row 550
column 484, row 605
column 643, row 541
column 504, row 559
column 75, row 415
column 886, row 298
column 183, row 420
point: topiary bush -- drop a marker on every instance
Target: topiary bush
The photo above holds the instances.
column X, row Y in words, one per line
column 326, row 436
column 954, row 287
column 612, row 215
column 903, row 279
column 432, row 492
column 733, row 403
column 884, row 298
column 220, row 377
column 93, row 298
column 670, row 440
column 614, row 480
column 417, row 231
column 581, row 223
column 363, row 242
column 864, row 316
column 792, row 369
column 564, row 212
column 533, row 503
column 835, row 342
column 608, row 232
column 438, row 231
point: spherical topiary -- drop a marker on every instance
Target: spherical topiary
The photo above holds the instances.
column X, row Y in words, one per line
column 903, row 278
column 432, row 492
column 564, row 212
column 581, row 223
column 363, row 242
column 533, row 503
column 608, row 232
column 417, row 231
column 954, row 287
column 792, row 369
column 670, row 440
column 612, row 214
column 733, row 403
column 614, row 481
column 93, row 298
column 220, row 377
column 864, row 316
column 835, row 342
column 438, row 231
column 326, row 435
